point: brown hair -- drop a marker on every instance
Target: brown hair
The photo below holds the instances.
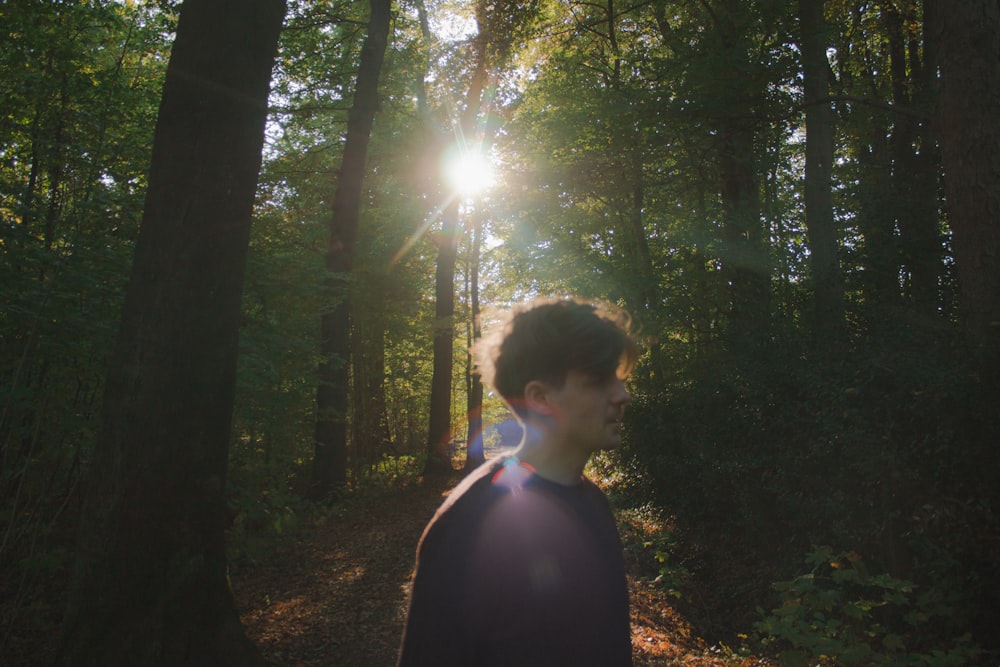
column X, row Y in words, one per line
column 545, row 339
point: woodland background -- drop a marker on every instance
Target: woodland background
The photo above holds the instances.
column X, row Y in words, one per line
column 799, row 203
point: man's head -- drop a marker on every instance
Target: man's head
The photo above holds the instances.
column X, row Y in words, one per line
column 546, row 339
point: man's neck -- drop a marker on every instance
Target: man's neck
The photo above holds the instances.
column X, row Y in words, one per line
column 556, row 464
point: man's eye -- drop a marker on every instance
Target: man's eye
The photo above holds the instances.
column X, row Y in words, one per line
column 601, row 380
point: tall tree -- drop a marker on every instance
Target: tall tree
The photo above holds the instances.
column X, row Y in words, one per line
column 81, row 83
column 970, row 150
column 913, row 192
column 330, row 459
column 861, row 65
column 150, row 585
column 828, row 317
column 745, row 254
column 439, row 432
column 500, row 26
column 475, row 447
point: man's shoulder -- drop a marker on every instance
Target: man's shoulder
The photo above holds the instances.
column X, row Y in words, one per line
column 474, row 486
column 468, row 500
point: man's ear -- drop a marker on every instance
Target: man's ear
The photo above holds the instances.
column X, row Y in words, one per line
column 536, row 397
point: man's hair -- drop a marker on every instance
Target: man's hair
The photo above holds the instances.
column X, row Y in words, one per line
column 545, row 339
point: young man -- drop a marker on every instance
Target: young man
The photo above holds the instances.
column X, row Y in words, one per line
column 522, row 564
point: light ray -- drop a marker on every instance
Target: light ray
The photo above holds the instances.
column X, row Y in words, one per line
column 431, row 219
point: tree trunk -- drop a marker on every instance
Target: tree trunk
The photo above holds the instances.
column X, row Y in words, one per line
column 828, row 317
column 913, row 193
column 745, row 259
column 330, row 457
column 57, row 167
column 439, row 432
column 970, row 152
column 875, row 220
column 475, row 452
column 150, row 585
column 370, row 430
column 648, row 292
column 744, row 251
column 922, row 239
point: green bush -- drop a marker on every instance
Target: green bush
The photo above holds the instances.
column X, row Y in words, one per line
column 888, row 446
column 840, row 614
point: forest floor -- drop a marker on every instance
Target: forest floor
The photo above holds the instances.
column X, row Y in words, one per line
column 337, row 593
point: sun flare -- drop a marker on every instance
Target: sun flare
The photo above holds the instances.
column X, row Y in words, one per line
column 469, row 172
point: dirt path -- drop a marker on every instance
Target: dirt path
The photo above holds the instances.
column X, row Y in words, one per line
column 338, row 595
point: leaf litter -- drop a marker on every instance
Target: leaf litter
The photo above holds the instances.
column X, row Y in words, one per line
column 337, row 594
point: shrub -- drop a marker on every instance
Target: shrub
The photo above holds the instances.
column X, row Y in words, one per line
column 840, row 614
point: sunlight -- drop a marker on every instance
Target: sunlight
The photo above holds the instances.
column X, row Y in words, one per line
column 451, row 26
column 468, row 172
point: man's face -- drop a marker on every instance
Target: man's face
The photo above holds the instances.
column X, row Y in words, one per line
column 587, row 411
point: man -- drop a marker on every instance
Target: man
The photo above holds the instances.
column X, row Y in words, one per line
column 522, row 564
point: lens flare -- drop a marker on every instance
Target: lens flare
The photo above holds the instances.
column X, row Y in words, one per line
column 468, row 172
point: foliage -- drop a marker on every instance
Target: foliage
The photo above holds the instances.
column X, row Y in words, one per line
column 840, row 614
column 285, row 292
column 81, row 85
column 613, row 127
column 880, row 448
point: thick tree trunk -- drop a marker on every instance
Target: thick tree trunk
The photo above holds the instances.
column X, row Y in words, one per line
column 439, row 432
column 875, row 220
column 915, row 171
column 744, row 252
column 828, row 317
column 370, row 423
column 745, row 256
column 330, row 453
column 150, row 586
column 970, row 152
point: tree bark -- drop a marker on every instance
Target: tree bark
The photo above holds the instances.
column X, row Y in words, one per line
column 922, row 241
column 439, row 431
column 330, row 453
column 744, row 251
column 828, row 305
column 875, row 220
column 913, row 195
column 970, row 152
column 745, row 257
column 370, row 423
column 150, row 585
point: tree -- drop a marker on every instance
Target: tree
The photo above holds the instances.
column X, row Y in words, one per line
column 439, row 431
column 827, row 280
column 150, row 585
column 475, row 445
column 745, row 256
column 330, row 459
column 500, row 27
column 81, row 83
column 914, row 191
column 970, row 149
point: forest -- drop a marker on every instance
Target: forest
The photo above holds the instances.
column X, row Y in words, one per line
column 246, row 246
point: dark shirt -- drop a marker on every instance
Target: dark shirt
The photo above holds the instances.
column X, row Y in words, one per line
column 517, row 570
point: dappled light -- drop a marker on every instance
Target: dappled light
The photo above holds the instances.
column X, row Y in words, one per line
column 306, row 601
column 244, row 257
